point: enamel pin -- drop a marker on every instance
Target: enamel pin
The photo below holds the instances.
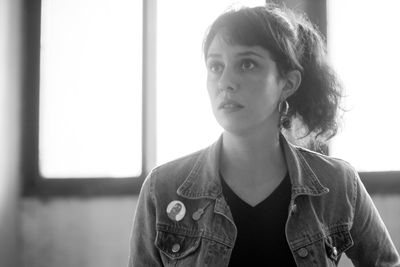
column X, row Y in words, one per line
column 176, row 210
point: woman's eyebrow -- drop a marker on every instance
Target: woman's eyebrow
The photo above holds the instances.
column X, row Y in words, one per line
column 242, row 54
column 214, row 55
column 250, row 53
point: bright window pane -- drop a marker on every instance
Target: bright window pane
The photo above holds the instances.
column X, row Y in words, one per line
column 185, row 122
column 91, row 88
column 364, row 47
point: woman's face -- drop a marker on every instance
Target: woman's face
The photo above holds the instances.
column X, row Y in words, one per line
column 244, row 86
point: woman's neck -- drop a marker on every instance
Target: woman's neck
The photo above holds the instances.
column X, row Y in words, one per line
column 258, row 157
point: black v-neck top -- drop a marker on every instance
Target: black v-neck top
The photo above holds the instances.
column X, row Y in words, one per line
column 261, row 239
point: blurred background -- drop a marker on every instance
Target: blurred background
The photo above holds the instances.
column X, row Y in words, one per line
column 95, row 93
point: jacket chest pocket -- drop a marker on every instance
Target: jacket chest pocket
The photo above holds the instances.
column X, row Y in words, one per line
column 178, row 249
column 325, row 249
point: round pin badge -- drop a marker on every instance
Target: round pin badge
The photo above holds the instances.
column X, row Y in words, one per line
column 176, row 210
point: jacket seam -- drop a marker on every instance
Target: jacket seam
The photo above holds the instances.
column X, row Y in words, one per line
column 310, row 239
column 195, row 234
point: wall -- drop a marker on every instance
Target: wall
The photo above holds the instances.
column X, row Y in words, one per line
column 9, row 132
column 95, row 232
column 73, row 232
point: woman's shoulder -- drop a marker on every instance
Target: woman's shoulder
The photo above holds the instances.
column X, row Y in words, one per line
column 170, row 175
column 335, row 174
column 180, row 165
column 328, row 168
column 335, row 162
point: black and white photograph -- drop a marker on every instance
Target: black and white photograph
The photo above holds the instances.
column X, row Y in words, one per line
column 213, row 133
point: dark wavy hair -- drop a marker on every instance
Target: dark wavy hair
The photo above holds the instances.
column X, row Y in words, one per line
column 295, row 44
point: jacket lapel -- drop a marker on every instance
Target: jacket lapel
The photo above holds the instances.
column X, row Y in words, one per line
column 203, row 179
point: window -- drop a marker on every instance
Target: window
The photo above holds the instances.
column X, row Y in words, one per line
column 363, row 47
column 83, row 114
column 90, row 112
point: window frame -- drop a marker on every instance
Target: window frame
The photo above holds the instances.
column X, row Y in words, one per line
column 33, row 183
column 382, row 182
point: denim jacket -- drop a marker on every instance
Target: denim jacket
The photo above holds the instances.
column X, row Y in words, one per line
column 330, row 213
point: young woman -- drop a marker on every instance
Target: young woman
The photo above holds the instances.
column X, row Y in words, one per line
column 252, row 198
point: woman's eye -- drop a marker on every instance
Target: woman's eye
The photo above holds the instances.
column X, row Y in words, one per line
column 215, row 67
column 247, row 65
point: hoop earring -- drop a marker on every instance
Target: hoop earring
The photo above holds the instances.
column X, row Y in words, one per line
column 283, row 108
column 284, row 120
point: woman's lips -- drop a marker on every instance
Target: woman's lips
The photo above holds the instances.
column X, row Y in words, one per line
column 230, row 105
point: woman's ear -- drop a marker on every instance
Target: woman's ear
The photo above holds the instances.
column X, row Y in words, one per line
column 293, row 80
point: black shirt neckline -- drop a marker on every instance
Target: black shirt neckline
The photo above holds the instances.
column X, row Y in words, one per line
column 275, row 195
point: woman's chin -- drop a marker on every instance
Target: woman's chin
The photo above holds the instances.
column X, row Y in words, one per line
column 235, row 127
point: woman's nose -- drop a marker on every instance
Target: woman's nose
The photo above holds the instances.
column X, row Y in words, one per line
column 227, row 81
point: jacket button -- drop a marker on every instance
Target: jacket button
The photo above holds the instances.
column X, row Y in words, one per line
column 176, row 248
column 303, row 252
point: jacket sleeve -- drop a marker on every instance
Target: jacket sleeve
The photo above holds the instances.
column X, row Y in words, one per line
column 372, row 243
column 142, row 249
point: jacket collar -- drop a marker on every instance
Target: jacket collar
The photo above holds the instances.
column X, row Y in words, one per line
column 203, row 180
column 302, row 176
